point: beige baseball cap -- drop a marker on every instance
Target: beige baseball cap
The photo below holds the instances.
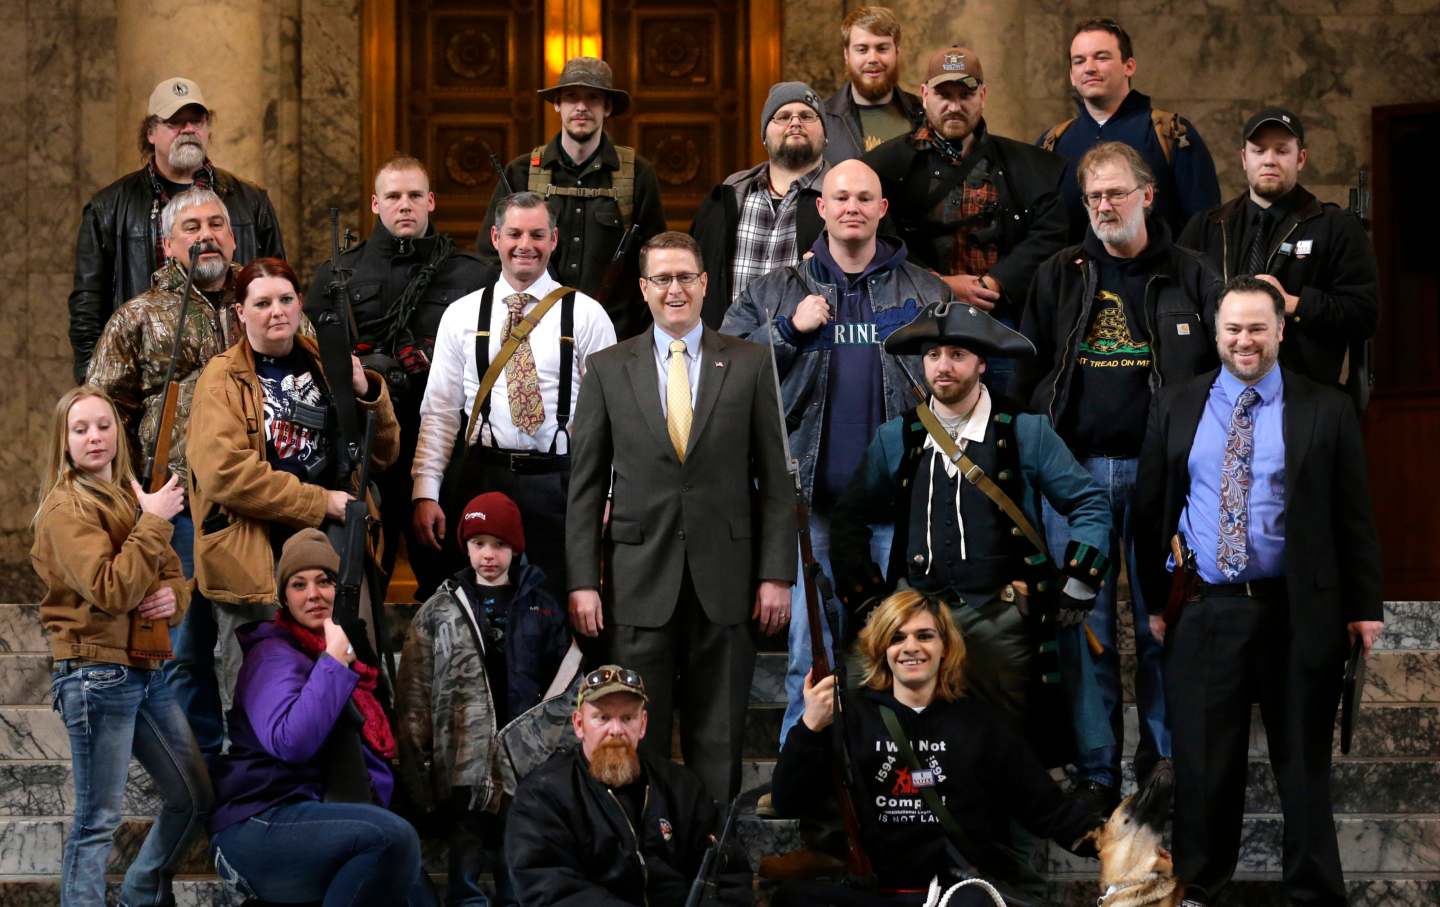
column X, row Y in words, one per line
column 172, row 94
column 954, row 64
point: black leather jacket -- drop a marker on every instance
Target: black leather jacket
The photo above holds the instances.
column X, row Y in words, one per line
column 115, row 250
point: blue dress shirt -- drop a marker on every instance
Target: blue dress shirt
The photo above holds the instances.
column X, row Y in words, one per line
column 692, row 361
column 1265, row 528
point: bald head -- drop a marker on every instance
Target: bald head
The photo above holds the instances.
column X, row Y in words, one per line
column 850, row 203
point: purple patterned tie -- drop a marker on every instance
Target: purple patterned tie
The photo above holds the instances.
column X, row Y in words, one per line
column 1231, row 555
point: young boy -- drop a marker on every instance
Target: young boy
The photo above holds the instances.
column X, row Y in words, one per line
column 483, row 649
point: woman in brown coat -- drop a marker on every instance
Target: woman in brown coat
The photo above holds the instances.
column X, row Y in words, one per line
column 261, row 451
column 102, row 547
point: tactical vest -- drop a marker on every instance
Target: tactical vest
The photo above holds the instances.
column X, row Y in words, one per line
column 1169, row 130
column 622, row 184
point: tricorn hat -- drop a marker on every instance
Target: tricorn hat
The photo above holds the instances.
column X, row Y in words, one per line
column 960, row 325
column 589, row 72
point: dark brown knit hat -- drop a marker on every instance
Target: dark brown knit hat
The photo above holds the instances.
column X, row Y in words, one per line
column 307, row 549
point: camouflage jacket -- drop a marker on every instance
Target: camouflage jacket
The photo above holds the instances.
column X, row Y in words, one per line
column 446, row 718
column 133, row 354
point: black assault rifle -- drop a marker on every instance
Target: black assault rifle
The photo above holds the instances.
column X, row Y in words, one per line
column 709, row 865
column 842, row 775
column 1361, row 379
column 499, row 170
column 615, row 270
column 335, row 329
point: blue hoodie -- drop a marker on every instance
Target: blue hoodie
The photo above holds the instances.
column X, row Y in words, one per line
column 855, row 393
column 286, row 704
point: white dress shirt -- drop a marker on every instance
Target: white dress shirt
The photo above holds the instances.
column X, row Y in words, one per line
column 454, row 380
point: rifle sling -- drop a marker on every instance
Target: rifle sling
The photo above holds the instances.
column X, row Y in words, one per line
column 518, row 333
column 976, row 476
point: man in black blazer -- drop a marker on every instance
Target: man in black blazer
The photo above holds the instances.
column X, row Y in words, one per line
column 1262, row 472
column 681, row 426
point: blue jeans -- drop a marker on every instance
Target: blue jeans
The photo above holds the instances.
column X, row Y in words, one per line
column 1117, row 477
column 110, row 712
column 191, row 673
column 798, row 664
column 351, row 854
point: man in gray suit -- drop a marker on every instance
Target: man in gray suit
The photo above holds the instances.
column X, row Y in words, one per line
column 680, row 425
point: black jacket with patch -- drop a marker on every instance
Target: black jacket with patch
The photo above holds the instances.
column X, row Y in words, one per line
column 1319, row 252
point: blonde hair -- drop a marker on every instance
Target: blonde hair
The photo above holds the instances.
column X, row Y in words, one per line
column 887, row 619
column 62, row 475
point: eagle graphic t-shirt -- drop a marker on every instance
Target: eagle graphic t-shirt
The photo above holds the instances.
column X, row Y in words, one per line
column 295, row 410
column 1110, row 396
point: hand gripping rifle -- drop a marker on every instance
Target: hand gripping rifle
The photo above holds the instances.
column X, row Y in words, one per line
column 151, row 638
column 709, row 865
column 336, row 332
column 842, row 775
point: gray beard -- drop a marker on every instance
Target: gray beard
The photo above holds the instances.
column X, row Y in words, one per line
column 210, row 271
column 186, row 157
column 1122, row 233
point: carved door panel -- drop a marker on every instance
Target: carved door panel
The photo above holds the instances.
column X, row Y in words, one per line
column 467, row 77
column 685, row 66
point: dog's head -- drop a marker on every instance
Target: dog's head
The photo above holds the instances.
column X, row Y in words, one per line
column 1130, row 843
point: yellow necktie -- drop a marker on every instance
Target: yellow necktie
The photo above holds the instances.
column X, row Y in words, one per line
column 677, row 399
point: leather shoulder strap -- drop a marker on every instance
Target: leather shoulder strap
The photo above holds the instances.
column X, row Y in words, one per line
column 1170, row 132
column 517, row 334
column 976, row 476
column 1051, row 137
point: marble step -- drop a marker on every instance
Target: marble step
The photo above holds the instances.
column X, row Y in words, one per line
column 1384, row 729
column 1369, row 844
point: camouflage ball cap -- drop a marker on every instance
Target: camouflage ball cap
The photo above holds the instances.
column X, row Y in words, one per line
column 954, row 64
column 608, row 679
column 172, row 94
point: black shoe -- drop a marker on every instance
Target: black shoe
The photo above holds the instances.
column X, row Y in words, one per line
column 1101, row 798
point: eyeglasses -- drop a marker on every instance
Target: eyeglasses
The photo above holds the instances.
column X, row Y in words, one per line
column 601, row 676
column 1113, row 196
column 688, row 279
column 805, row 116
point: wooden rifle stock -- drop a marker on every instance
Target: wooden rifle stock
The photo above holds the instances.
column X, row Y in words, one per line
column 151, row 638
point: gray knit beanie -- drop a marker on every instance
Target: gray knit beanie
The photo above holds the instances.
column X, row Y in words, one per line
column 782, row 93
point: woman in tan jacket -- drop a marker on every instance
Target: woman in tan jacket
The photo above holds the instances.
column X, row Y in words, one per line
column 261, row 452
column 102, row 567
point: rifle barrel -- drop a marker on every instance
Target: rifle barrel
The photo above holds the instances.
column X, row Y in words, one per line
column 157, row 462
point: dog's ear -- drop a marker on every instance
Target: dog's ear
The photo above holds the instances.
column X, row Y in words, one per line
column 1164, row 863
column 1091, row 840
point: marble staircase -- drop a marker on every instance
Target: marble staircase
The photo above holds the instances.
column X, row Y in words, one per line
column 1387, row 792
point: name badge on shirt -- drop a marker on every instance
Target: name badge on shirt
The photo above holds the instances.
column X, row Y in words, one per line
column 1303, row 247
column 1285, row 248
column 923, row 778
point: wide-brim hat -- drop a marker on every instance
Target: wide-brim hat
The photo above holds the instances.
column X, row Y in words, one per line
column 958, row 324
column 589, row 72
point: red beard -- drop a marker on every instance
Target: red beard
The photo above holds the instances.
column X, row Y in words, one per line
column 615, row 763
column 874, row 86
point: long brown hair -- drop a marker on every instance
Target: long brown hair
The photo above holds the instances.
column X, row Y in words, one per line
column 887, row 619
column 62, row 475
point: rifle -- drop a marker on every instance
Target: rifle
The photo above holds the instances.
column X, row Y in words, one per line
column 704, row 879
column 1362, row 352
column 615, row 270
column 335, row 329
column 923, row 407
column 499, row 170
column 151, row 638
column 842, row 776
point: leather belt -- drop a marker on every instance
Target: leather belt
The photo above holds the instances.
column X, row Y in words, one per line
column 523, row 462
column 1269, row 588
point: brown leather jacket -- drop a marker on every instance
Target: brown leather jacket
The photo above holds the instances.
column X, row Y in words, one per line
column 96, row 569
column 229, row 474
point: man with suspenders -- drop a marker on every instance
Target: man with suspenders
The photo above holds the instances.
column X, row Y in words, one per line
column 507, row 367
column 597, row 190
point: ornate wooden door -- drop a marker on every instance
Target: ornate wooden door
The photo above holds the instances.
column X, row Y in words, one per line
column 468, row 73
column 685, row 65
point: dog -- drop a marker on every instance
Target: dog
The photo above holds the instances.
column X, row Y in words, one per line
column 1135, row 868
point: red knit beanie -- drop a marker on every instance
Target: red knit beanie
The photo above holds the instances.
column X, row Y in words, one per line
column 493, row 513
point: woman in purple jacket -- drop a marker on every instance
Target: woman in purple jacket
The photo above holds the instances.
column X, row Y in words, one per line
column 301, row 797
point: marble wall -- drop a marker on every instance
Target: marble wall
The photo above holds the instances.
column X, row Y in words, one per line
column 1215, row 62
